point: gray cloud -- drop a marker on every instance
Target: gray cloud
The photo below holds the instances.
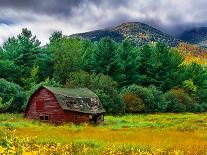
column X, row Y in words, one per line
column 63, row 7
column 73, row 16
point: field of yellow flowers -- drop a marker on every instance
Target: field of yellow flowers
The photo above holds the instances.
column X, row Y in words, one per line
column 155, row 134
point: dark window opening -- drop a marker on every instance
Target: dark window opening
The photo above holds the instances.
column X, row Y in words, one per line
column 41, row 118
column 44, row 118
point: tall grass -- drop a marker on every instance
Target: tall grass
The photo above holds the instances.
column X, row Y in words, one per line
column 138, row 134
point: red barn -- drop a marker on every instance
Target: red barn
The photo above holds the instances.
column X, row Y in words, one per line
column 59, row 105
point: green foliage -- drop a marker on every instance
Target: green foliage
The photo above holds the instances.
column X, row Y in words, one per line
column 33, row 79
column 152, row 98
column 9, row 71
column 102, row 85
column 130, row 59
column 160, row 66
column 105, row 67
column 22, row 53
column 65, row 56
column 5, row 106
column 29, row 49
column 198, row 75
column 55, row 36
column 178, row 101
column 10, row 90
column 105, row 60
column 45, row 64
column 189, row 86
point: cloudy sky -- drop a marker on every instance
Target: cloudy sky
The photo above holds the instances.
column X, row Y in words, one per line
column 73, row 16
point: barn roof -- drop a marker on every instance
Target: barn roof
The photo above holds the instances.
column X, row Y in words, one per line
column 73, row 92
column 77, row 99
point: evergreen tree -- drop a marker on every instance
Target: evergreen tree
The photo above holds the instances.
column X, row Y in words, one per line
column 160, row 66
column 29, row 49
column 65, row 53
column 130, row 58
column 55, row 36
column 21, row 54
column 106, row 60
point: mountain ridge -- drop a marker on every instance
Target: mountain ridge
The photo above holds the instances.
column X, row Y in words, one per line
column 137, row 32
column 196, row 36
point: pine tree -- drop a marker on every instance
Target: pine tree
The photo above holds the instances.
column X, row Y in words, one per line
column 106, row 60
column 29, row 49
column 22, row 54
column 130, row 57
column 160, row 66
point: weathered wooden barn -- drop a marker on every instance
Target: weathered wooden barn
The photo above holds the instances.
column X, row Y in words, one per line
column 59, row 105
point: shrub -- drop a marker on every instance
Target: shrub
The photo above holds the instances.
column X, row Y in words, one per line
column 5, row 106
column 134, row 103
column 178, row 101
column 189, row 86
column 9, row 90
column 198, row 108
column 143, row 99
column 102, row 85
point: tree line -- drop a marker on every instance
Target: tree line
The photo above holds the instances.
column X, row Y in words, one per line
column 126, row 77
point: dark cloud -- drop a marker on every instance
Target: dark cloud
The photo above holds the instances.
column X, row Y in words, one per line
column 73, row 16
column 6, row 21
column 63, row 7
column 58, row 7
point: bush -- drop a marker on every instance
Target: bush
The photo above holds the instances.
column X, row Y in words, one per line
column 189, row 86
column 102, row 85
column 178, row 101
column 144, row 99
column 134, row 103
column 198, row 108
column 9, row 90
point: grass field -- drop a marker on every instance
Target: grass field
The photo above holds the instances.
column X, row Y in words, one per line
column 129, row 134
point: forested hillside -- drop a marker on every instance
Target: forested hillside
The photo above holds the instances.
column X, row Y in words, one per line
column 127, row 77
column 197, row 36
column 136, row 32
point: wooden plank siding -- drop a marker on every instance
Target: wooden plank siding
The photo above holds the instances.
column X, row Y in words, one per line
column 76, row 117
column 52, row 109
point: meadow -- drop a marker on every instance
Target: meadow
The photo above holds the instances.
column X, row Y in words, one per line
column 153, row 134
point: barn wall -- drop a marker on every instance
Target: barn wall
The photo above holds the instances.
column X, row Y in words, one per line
column 76, row 117
column 51, row 107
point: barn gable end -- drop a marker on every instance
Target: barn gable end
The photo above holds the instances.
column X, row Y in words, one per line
column 51, row 107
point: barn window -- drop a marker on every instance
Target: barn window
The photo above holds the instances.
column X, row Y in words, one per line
column 44, row 118
column 39, row 105
column 41, row 118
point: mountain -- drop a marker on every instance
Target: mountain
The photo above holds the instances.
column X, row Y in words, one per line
column 197, row 36
column 138, row 33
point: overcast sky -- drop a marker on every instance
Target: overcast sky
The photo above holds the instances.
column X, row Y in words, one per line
column 73, row 16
